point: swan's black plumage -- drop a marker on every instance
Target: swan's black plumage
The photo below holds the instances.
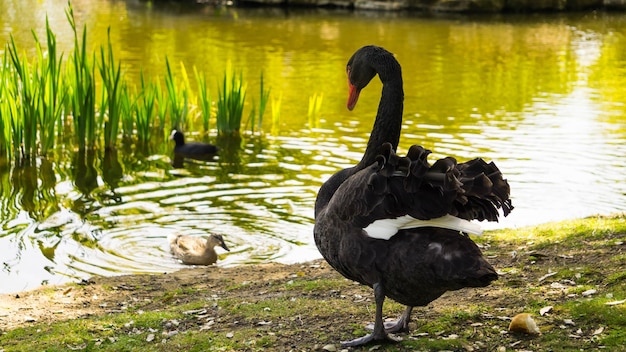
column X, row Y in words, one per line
column 191, row 149
column 417, row 264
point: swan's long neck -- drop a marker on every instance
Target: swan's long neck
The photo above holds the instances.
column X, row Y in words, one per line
column 388, row 122
column 386, row 127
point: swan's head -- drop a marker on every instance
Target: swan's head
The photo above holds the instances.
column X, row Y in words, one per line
column 361, row 68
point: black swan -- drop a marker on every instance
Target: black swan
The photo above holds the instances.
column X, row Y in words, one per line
column 399, row 224
column 191, row 149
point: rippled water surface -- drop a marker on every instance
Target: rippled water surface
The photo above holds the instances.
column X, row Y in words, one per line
column 543, row 96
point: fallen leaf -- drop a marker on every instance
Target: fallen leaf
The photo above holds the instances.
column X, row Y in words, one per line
column 230, row 335
column 545, row 310
column 615, row 303
column 598, row 331
column 589, row 292
column 547, row 276
column 330, row 348
column 171, row 333
column 569, row 322
column 558, row 285
column 77, row 347
column 150, row 338
column 207, row 326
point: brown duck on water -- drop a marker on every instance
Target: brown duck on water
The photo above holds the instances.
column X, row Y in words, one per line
column 399, row 224
column 194, row 250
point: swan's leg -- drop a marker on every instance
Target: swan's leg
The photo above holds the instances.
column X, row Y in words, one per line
column 379, row 332
column 400, row 325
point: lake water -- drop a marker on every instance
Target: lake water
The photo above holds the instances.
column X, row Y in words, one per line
column 542, row 95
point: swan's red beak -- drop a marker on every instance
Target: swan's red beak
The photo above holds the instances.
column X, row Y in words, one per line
column 353, row 97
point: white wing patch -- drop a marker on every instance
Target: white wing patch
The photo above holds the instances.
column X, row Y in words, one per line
column 385, row 229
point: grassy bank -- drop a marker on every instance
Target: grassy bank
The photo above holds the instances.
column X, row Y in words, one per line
column 573, row 272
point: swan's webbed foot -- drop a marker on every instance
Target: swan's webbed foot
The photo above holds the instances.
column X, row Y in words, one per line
column 371, row 338
column 379, row 332
column 396, row 326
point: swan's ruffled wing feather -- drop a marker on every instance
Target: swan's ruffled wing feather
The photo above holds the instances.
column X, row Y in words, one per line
column 411, row 193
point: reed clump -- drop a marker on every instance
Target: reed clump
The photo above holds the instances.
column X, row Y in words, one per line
column 46, row 98
column 230, row 103
column 313, row 114
column 256, row 116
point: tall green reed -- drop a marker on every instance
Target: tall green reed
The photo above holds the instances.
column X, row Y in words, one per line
column 144, row 109
column 10, row 120
column 52, row 91
column 315, row 105
column 204, row 99
column 264, row 94
column 5, row 129
column 127, row 104
column 178, row 96
column 82, row 87
column 110, row 72
column 230, row 102
column 161, row 105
